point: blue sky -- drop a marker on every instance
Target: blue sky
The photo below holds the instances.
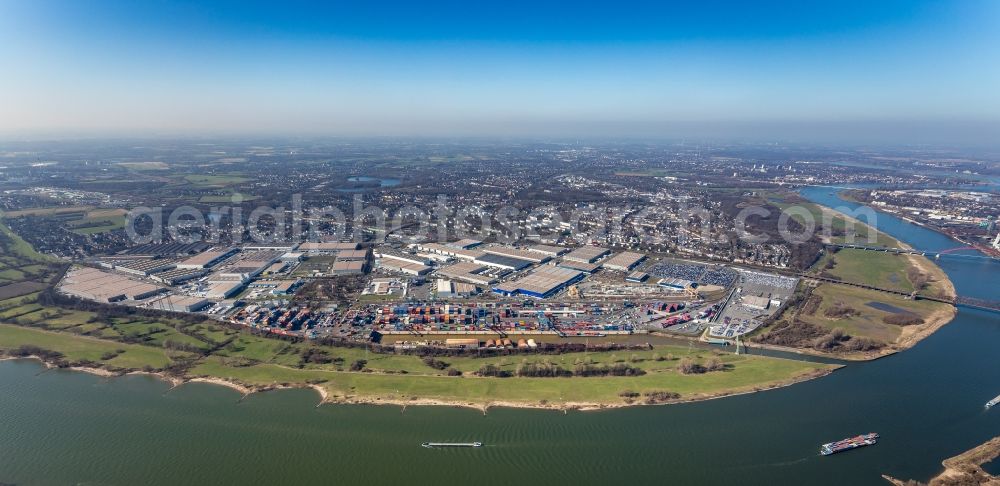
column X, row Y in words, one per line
column 761, row 69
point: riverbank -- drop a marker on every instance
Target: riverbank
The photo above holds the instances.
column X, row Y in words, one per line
column 938, row 282
column 894, row 212
column 965, row 468
column 331, row 395
column 863, row 324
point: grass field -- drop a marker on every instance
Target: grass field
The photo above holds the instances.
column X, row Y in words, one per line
column 84, row 220
column 884, row 270
column 746, row 374
column 77, row 348
column 99, row 221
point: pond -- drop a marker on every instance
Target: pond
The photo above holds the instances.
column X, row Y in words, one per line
column 365, row 186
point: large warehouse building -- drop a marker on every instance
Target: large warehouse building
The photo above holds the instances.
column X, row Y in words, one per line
column 449, row 251
column 541, row 283
column 586, row 254
column 502, row 261
column 93, row 284
column 469, row 272
column 623, row 261
column 206, row 259
column 532, row 256
column 326, row 247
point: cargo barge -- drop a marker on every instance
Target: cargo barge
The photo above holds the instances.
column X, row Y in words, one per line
column 848, row 444
column 431, row 445
column 993, row 402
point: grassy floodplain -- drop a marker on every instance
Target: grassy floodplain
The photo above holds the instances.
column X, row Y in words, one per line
column 114, row 340
column 857, row 312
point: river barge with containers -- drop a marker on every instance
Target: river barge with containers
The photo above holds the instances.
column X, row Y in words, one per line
column 431, row 445
column 848, row 444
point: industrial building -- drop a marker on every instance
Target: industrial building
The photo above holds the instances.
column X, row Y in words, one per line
column 675, row 283
column 501, row 261
column 449, row 251
column 278, row 247
column 586, row 254
column 348, row 267
column 398, row 255
column 223, row 289
column 468, row 271
column 532, row 256
column 239, row 273
column 249, row 265
column 292, row 257
column 93, row 284
column 551, row 251
column 326, row 247
column 465, row 243
column 141, row 267
column 286, row 287
column 178, row 275
column 637, row 277
column 404, row 264
column 624, row 261
column 541, row 283
column 154, row 250
column 275, row 268
column 448, row 289
column 579, row 266
column 755, row 302
column 206, row 259
column 346, row 255
column 180, row 303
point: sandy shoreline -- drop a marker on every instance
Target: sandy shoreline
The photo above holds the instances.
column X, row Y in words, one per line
column 327, row 398
column 965, row 468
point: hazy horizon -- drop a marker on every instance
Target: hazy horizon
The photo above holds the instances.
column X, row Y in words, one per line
column 850, row 72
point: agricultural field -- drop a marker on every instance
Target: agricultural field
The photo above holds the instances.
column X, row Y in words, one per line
column 23, row 271
column 203, row 180
column 140, row 166
column 98, row 221
column 84, row 220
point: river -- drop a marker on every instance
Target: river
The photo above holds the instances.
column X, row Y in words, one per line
column 62, row 427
